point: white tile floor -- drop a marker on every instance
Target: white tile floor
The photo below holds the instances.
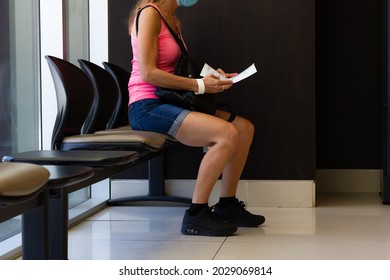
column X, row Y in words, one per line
column 340, row 227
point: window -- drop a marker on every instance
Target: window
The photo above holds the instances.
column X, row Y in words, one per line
column 19, row 86
column 31, row 29
column 77, row 46
column 76, row 26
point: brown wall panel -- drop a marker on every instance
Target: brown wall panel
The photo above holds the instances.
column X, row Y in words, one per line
column 348, row 84
column 279, row 37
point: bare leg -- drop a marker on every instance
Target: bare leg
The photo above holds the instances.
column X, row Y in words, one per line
column 234, row 167
column 229, row 146
column 222, row 137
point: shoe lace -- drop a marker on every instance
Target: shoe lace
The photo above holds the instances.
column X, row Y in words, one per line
column 242, row 204
column 242, row 207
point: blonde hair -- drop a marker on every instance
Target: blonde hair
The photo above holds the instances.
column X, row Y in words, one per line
column 133, row 13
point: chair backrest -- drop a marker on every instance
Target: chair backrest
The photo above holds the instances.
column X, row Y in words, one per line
column 105, row 96
column 121, row 77
column 74, row 94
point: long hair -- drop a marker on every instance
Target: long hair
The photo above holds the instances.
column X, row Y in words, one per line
column 133, row 13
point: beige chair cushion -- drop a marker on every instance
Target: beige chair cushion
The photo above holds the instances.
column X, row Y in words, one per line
column 120, row 129
column 128, row 129
column 151, row 139
column 20, row 179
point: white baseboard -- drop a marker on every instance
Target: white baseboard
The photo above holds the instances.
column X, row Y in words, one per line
column 255, row 193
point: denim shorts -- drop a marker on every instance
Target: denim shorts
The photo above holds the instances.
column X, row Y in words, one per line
column 154, row 115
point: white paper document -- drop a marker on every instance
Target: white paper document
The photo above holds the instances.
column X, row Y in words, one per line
column 207, row 69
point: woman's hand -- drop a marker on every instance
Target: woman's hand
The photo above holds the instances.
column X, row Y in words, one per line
column 215, row 84
column 226, row 75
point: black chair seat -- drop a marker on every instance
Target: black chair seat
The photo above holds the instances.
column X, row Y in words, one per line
column 63, row 176
column 76, row 157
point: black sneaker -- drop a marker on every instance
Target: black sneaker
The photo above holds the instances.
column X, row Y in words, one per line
column 238, row 215
column 206, row 223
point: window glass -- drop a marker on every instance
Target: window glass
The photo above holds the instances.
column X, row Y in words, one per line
column 19, row 76
column 19, row 85
column 20, row 92
column 77, row 46
column 76, row 26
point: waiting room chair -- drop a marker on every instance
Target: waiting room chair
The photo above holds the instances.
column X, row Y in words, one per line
column 105, row 86
column 69, row 171
column 21, row 192
column 75, row 96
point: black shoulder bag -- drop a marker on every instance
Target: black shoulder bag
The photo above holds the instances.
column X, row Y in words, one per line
column 204, row 103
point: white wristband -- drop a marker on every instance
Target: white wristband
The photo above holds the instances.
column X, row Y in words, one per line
column 201, row 86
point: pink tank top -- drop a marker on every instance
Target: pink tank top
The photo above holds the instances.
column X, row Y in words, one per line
column 168, row 55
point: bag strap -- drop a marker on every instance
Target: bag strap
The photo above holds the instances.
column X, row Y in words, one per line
column 178, row 40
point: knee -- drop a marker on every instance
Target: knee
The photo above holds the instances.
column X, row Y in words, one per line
column 231, row 135
column 249, row 129
column 246, row 130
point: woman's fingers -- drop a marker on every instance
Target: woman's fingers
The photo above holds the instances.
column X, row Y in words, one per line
column 214, row 84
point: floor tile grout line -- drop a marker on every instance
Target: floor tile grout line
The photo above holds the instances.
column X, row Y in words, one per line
column 220, row 247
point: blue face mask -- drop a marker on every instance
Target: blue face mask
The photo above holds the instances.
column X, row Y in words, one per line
column 186, row 3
